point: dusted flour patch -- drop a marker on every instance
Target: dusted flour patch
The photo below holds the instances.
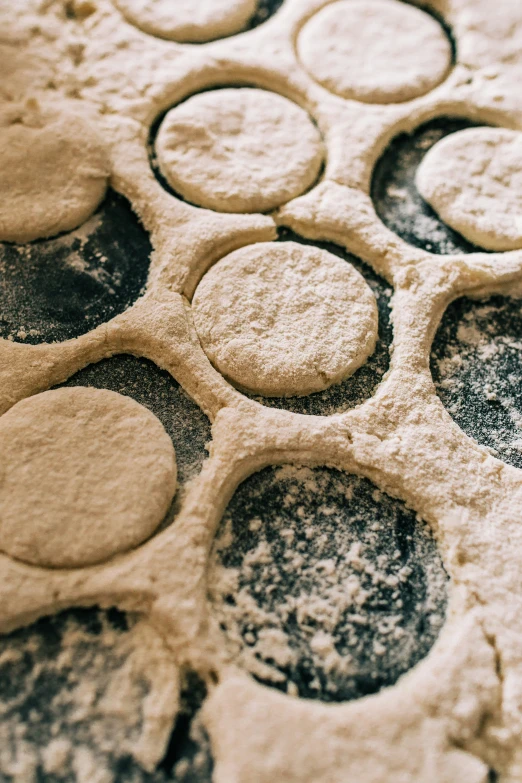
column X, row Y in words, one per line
column 188, row 21
column 325, row 587
column 376, row 51
column 476, row 363
column 285, row 319
column 86, row 474
column 102, row 691
column 473, row 180
column 54, row 175
column 239, row 150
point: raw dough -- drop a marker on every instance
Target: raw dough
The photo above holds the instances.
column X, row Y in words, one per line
column 285, row 319
column 239, row 150
column 85, row 474
column 473, row 180
column 462, row 705
column 376, row 51
column 188, row 21
column 54, row 174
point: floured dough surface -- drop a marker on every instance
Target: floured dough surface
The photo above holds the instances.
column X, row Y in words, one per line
column 285, row 319
column 239, row 150
column 376, row 51
column 54, row 173
column 188, row 21
column 473, row 180
column 86, row 474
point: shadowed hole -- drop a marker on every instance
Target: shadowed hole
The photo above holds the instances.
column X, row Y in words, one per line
column 397, row 200
column 476, row 363
column 57, row 289
column 338, row 588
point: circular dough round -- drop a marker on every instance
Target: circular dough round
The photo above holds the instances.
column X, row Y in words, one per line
column 473, row 180
column 284, row 319
column 53, row 177
column 84, row 475
column 188, row 21
column 239, row 150
column 376, row 51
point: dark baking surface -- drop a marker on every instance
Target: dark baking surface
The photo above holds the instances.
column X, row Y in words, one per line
column 61, row 289
column 327, row 530
column 397, row 200
column 101, row 268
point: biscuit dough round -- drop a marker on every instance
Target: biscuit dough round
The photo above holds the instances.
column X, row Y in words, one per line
column 375, row 51
column 285, row 319
column 473, row 180
column 239, row 150
column 53, row 176
column 188, row 21
column 85, row 474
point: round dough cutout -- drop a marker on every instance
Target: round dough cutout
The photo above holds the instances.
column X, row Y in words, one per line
column 473, row 180
column 188, row 21
column 239, row 150
column 85, row 474
column 53, row 177
column 284, row 319
column 375, row 51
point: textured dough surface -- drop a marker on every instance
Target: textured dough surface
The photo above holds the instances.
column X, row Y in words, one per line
column 473, row 180
column 188, row 21
column 285, row 319
column 54, row 175
column 376, row 51
column 457, row 715
column 85, row 474
column 239, row 150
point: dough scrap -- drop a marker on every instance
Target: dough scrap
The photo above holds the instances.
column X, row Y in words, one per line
column 239, row 150
column 85, row 474
column 473, row 180
column 54, row 174
column 285, row 319
column 188, row 21
column 375, row 51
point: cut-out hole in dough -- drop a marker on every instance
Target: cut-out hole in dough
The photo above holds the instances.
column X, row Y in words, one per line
column 285, row 318
column 265, row 9
column 102, row 267
column 361, row 385
column 238, row 149
column 375, row 51
column 397, row 200
column 324, row 586
column 188, row 758
column 476, row 363
column 86, row 474
column 473, row 180
column 79, row 684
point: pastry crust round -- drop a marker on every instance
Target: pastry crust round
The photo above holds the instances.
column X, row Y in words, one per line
column 188, row 21
column 239, row 150
column 376, row 51
column 85, row 474
column 473, row 180
column 53, row 177
column 285, row 319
